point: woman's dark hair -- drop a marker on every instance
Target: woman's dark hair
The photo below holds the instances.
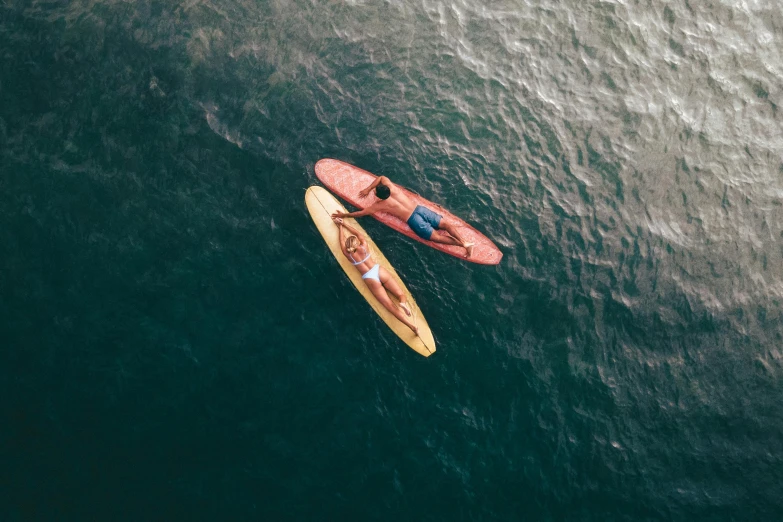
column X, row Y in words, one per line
column 382, row 191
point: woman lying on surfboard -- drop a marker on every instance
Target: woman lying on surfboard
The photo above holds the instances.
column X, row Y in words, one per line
column 424, row 222
column 377, row 278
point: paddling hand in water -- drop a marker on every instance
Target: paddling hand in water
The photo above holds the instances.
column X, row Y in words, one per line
column 378, row 279
column 424, row 222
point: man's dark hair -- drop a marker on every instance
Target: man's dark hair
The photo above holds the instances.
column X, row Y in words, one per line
column 382, row 191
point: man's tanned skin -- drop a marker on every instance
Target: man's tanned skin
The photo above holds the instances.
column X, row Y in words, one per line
column 398, row 204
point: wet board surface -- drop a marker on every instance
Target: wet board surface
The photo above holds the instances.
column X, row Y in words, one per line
column 321, row 204
column 347, row 181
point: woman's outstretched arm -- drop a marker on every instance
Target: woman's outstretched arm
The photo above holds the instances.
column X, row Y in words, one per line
column 339, row 223
column 354, row 232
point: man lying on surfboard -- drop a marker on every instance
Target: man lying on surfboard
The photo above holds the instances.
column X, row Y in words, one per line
column 424, row 222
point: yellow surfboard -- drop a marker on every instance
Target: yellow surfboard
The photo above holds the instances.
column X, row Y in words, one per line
column 321, row 205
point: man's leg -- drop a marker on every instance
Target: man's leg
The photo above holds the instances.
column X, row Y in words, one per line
column 447, row 230
column 441, row 236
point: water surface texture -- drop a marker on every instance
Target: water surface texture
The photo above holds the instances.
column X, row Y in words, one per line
column 177, row 342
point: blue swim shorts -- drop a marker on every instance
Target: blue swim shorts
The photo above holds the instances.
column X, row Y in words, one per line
column 424, row 221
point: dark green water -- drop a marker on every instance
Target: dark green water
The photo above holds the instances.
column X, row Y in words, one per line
column 177, row 343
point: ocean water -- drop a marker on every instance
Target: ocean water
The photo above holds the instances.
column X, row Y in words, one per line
column 177, row 343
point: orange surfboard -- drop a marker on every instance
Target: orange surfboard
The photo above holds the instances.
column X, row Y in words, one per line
column 346, row 181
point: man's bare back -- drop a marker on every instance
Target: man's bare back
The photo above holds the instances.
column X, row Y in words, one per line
column 424, row 222
column 397, row 204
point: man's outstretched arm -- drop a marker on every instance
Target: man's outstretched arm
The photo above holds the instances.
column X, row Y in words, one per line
column 379, row 180
column 372, row 209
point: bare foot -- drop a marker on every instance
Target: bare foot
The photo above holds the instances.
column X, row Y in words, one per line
column 469, row 249
column 415, row 330
column 405, row 308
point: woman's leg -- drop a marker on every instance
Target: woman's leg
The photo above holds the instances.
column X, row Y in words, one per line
column 396, row 290
column 379, row 292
